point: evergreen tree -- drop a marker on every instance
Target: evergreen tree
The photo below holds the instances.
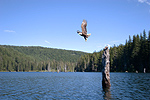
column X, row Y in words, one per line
column 148, row 67
column 134, row 55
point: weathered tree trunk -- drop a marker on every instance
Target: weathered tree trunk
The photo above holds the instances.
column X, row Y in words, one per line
column 106, row 69
column 49, row 68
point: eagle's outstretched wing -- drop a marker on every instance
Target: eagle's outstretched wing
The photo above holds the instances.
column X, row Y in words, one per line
column 83, row 26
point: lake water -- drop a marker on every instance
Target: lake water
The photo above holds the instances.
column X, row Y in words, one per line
column 73, row 86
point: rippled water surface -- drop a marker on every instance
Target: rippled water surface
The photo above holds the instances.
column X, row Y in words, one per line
column 81, row 86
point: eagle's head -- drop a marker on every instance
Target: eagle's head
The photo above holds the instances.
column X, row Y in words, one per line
column 80, row 33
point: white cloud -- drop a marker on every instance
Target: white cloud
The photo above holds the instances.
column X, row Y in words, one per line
column 144, row 1
column 10, row 31
column 148, row 3
column 47, row 42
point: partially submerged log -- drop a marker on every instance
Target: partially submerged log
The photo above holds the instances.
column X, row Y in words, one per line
column 106, row 68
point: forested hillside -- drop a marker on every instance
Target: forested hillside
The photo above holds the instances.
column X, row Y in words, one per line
column 134, row 55
column 19, row 58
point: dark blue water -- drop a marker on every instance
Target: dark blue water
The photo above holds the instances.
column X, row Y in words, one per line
column 81, row 86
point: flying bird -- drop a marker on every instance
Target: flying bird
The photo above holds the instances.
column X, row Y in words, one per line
column 84, row 30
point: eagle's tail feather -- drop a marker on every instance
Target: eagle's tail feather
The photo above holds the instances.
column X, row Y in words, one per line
column 88, row 34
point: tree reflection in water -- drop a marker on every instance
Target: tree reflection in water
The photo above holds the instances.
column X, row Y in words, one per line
column 106, row 93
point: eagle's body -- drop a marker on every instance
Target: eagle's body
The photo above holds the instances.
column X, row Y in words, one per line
column 84, row 30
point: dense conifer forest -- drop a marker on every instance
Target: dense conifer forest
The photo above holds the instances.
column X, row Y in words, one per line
column 19, row 58
column 131, row 57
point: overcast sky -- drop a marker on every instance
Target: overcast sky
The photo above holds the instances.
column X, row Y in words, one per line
column 53, row 23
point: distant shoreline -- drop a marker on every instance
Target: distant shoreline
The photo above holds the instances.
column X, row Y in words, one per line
column 67, row 72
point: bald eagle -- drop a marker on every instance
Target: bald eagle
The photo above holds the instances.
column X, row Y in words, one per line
column 84, row 30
